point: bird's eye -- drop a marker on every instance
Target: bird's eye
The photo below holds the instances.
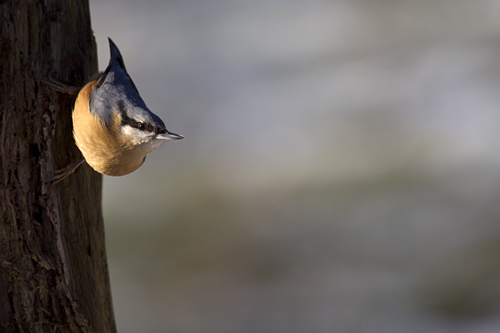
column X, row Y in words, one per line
column 142, row 126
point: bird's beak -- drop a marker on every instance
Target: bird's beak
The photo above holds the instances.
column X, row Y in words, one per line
column 169, row 136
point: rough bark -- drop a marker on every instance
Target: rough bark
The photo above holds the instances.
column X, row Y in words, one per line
column 53, row 269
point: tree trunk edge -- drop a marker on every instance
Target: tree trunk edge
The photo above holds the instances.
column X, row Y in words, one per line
column 53, row 266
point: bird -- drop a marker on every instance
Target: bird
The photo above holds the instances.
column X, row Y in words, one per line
column 112, row 126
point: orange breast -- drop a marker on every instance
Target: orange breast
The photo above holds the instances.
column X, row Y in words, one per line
column 104, row 148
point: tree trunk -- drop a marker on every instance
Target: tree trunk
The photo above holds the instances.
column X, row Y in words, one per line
column 53, row 269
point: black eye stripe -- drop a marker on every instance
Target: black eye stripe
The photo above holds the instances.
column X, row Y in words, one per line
column 126, row 120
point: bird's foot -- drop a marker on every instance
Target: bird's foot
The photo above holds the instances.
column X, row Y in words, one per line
column 64, row 172
column 61, row 87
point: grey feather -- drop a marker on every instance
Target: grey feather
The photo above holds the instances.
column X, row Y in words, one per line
column 116, row 92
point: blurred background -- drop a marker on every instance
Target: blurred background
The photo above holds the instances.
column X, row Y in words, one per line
column 340, row 170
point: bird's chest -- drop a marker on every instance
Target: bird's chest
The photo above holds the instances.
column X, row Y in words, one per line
column 104, row 147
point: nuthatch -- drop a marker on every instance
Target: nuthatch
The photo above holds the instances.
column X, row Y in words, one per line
column 112, row 126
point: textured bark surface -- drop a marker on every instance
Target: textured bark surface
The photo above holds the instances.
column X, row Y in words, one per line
column 53, row 268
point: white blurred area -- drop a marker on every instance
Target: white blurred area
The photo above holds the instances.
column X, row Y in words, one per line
column 340, row 170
